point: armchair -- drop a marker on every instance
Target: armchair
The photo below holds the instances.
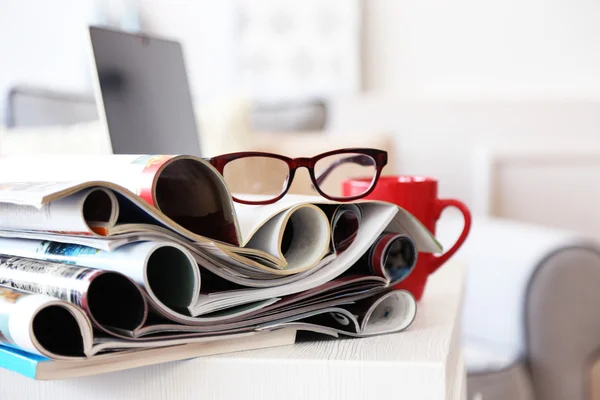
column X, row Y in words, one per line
column 531, row 328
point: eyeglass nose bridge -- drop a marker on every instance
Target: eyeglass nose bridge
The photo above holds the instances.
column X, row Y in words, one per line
column 303, row 162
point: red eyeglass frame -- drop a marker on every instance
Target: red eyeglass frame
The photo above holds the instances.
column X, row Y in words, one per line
column 379, row 156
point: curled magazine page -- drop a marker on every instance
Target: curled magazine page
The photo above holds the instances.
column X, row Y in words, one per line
column 167, row 271
column 186, row 189
column 251, row 218
column 31, row 193
column 392, row 256
column 381, row 314
column 299, row 235
column 89, row 212
column 391, row 312
column 135, row 215
column 373, row 223
column 341, row 291
column 110, row 299
column 105, row 244
column 103, row 344
column 405, row 222
column 61, row 330
column 345, row 222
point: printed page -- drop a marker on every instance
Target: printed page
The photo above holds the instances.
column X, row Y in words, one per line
column 88, row 212
column 405, row 222
column 387, row 313
column 74, row 284
column 103, row 344
column 392, row 256
column 329, row 320
column 90, row 241
column 299, row 235
column 345, row 223
column 18, row 310
column 391, row 312
column 259, row 318
column 251, row 218
column 128, row 201
column 187, row 190
column 167, row 262
column 340, row 291
column 34, row 194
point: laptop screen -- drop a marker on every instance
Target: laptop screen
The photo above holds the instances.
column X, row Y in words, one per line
column 143, row 93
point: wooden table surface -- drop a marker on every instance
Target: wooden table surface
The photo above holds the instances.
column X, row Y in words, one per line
column 424, row 362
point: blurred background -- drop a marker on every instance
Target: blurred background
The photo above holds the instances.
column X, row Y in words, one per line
column 454, row 89
column 498, row 100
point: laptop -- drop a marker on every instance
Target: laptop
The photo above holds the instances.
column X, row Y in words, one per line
column 142, row 93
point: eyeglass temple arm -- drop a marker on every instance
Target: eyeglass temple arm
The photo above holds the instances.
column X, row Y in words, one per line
column 359, row 159
column 211, row 161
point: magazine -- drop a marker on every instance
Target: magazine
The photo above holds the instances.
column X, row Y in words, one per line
column 19, row 310
column 19, row 203
column 390, row 312
column 340, row 292
column 124, row 310
column 59, row 330
column 348, row 288
column 167, row 272
column 185, row 189
column 102, row 209
column 35, row 366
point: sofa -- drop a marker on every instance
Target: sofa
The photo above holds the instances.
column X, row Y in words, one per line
column 531, row 328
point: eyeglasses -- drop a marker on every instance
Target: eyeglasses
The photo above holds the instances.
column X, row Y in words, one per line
column 264, row 178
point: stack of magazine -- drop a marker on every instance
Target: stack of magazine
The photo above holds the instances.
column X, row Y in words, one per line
column 113, row 262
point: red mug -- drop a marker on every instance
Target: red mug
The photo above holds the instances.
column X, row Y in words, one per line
column 417, row 195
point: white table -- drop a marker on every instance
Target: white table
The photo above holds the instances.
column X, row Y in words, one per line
column 424, row 362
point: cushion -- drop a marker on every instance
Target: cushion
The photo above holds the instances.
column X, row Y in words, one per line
column 502, row 257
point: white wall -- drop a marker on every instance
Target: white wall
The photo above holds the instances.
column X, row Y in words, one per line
column 471, row 48
column 445, row 76
column 205, row 29
column 438, row 137
column 41, row 44
column 439, row 48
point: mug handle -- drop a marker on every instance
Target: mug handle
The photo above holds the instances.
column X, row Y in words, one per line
column 441, row 205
